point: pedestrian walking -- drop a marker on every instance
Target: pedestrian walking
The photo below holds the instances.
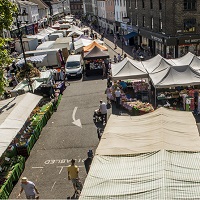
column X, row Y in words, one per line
column 115, row 59
column 104, row 70
column 88, row 161
column 118, row 96
column 73, row 171
column 29, row 189
column 115, row 41
column 103, row 111
column 119, row 58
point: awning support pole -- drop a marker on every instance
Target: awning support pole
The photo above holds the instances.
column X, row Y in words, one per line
column 155, row 97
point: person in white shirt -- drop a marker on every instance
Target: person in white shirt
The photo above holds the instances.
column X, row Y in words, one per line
column 103, row 110
column 118, row 96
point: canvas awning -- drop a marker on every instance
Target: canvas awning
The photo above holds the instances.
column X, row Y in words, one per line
column 128, row 69
column 75, row 33
column 82, row 37
column 17, row 117
column 33, row 59
column 73, row 28
column 160, row 175
column 162, row 129
column 175, row 76
column 96, row 53
column 79, row 44
column 92, row 45
column 130, row 35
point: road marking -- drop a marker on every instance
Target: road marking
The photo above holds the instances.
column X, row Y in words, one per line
column 37, row 167
column 78, row 121
column 53, row 186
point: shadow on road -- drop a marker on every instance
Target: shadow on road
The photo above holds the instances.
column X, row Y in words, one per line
column 91, row 78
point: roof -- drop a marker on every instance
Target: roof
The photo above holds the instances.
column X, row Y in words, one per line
column 40, row 3
column 92, row 45
column 27, row 3
column 19, row 113
column 160, row 175
column 127, row 69
column 96, row 53
column 72, row 58
column 174, row 76
column 162, row 129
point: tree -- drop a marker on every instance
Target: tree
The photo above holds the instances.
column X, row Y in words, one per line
column 7, row 10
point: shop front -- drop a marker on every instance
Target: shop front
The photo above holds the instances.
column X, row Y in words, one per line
column 189, row 44
column 158, row 43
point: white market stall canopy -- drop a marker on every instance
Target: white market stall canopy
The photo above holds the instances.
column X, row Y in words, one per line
column 33, row 59
column 163, row 72
column 75, row 33
column 73, row 28
column 128, row 68
column 153, row 156
column 79, row 44
column 159, row 175
column 162, row 129
column 174, row 76
column 12, row 122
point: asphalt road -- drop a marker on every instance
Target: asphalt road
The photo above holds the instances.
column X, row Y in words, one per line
column 61, row 140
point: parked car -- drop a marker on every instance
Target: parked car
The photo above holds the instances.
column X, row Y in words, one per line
column 74, row 66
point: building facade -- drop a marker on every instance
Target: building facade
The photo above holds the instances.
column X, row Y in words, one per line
column 76, row 7
column 110, row 15
column 101, row 9
column 170, row 28
column 120, row 13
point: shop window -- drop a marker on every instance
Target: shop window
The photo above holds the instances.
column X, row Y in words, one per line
column 151, row 4
column 190, row 5
column 190, row 25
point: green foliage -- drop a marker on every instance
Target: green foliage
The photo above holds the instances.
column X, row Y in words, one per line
column 7, row 10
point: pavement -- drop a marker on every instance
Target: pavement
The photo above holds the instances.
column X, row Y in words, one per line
column 61, row 140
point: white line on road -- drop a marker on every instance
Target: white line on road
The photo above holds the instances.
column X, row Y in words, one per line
column 37, row 167
column 53, row 186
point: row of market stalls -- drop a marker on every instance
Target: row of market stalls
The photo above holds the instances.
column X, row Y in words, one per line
column 173, row 80
column 153, row 156
column 22, row 119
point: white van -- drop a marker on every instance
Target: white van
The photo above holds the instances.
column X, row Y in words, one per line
column 74, row 66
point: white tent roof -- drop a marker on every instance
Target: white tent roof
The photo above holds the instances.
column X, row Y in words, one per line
column 76, row 32
column 175, row 76
column 73, row 28
column 152, row 64
column 127, row 69
column 161, row 129
column 17, row 117
column 33, row 59
column 79, row 44
column 160, row 175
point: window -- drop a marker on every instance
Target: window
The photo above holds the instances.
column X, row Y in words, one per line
column 142, row 3
column 189, row 25
column 160, row 25
column 136, row 5
column 143, row 21
column 136, row 20
column 151, row 4
column 160, row 4
column 189, row 4
column 151, row 22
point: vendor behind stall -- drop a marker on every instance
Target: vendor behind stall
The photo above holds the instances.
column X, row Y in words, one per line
column 123, row 85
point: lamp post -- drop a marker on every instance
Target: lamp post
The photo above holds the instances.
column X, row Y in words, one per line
column 18, row 16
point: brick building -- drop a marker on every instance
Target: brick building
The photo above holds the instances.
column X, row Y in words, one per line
column 76, row 7
column 168, row 27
